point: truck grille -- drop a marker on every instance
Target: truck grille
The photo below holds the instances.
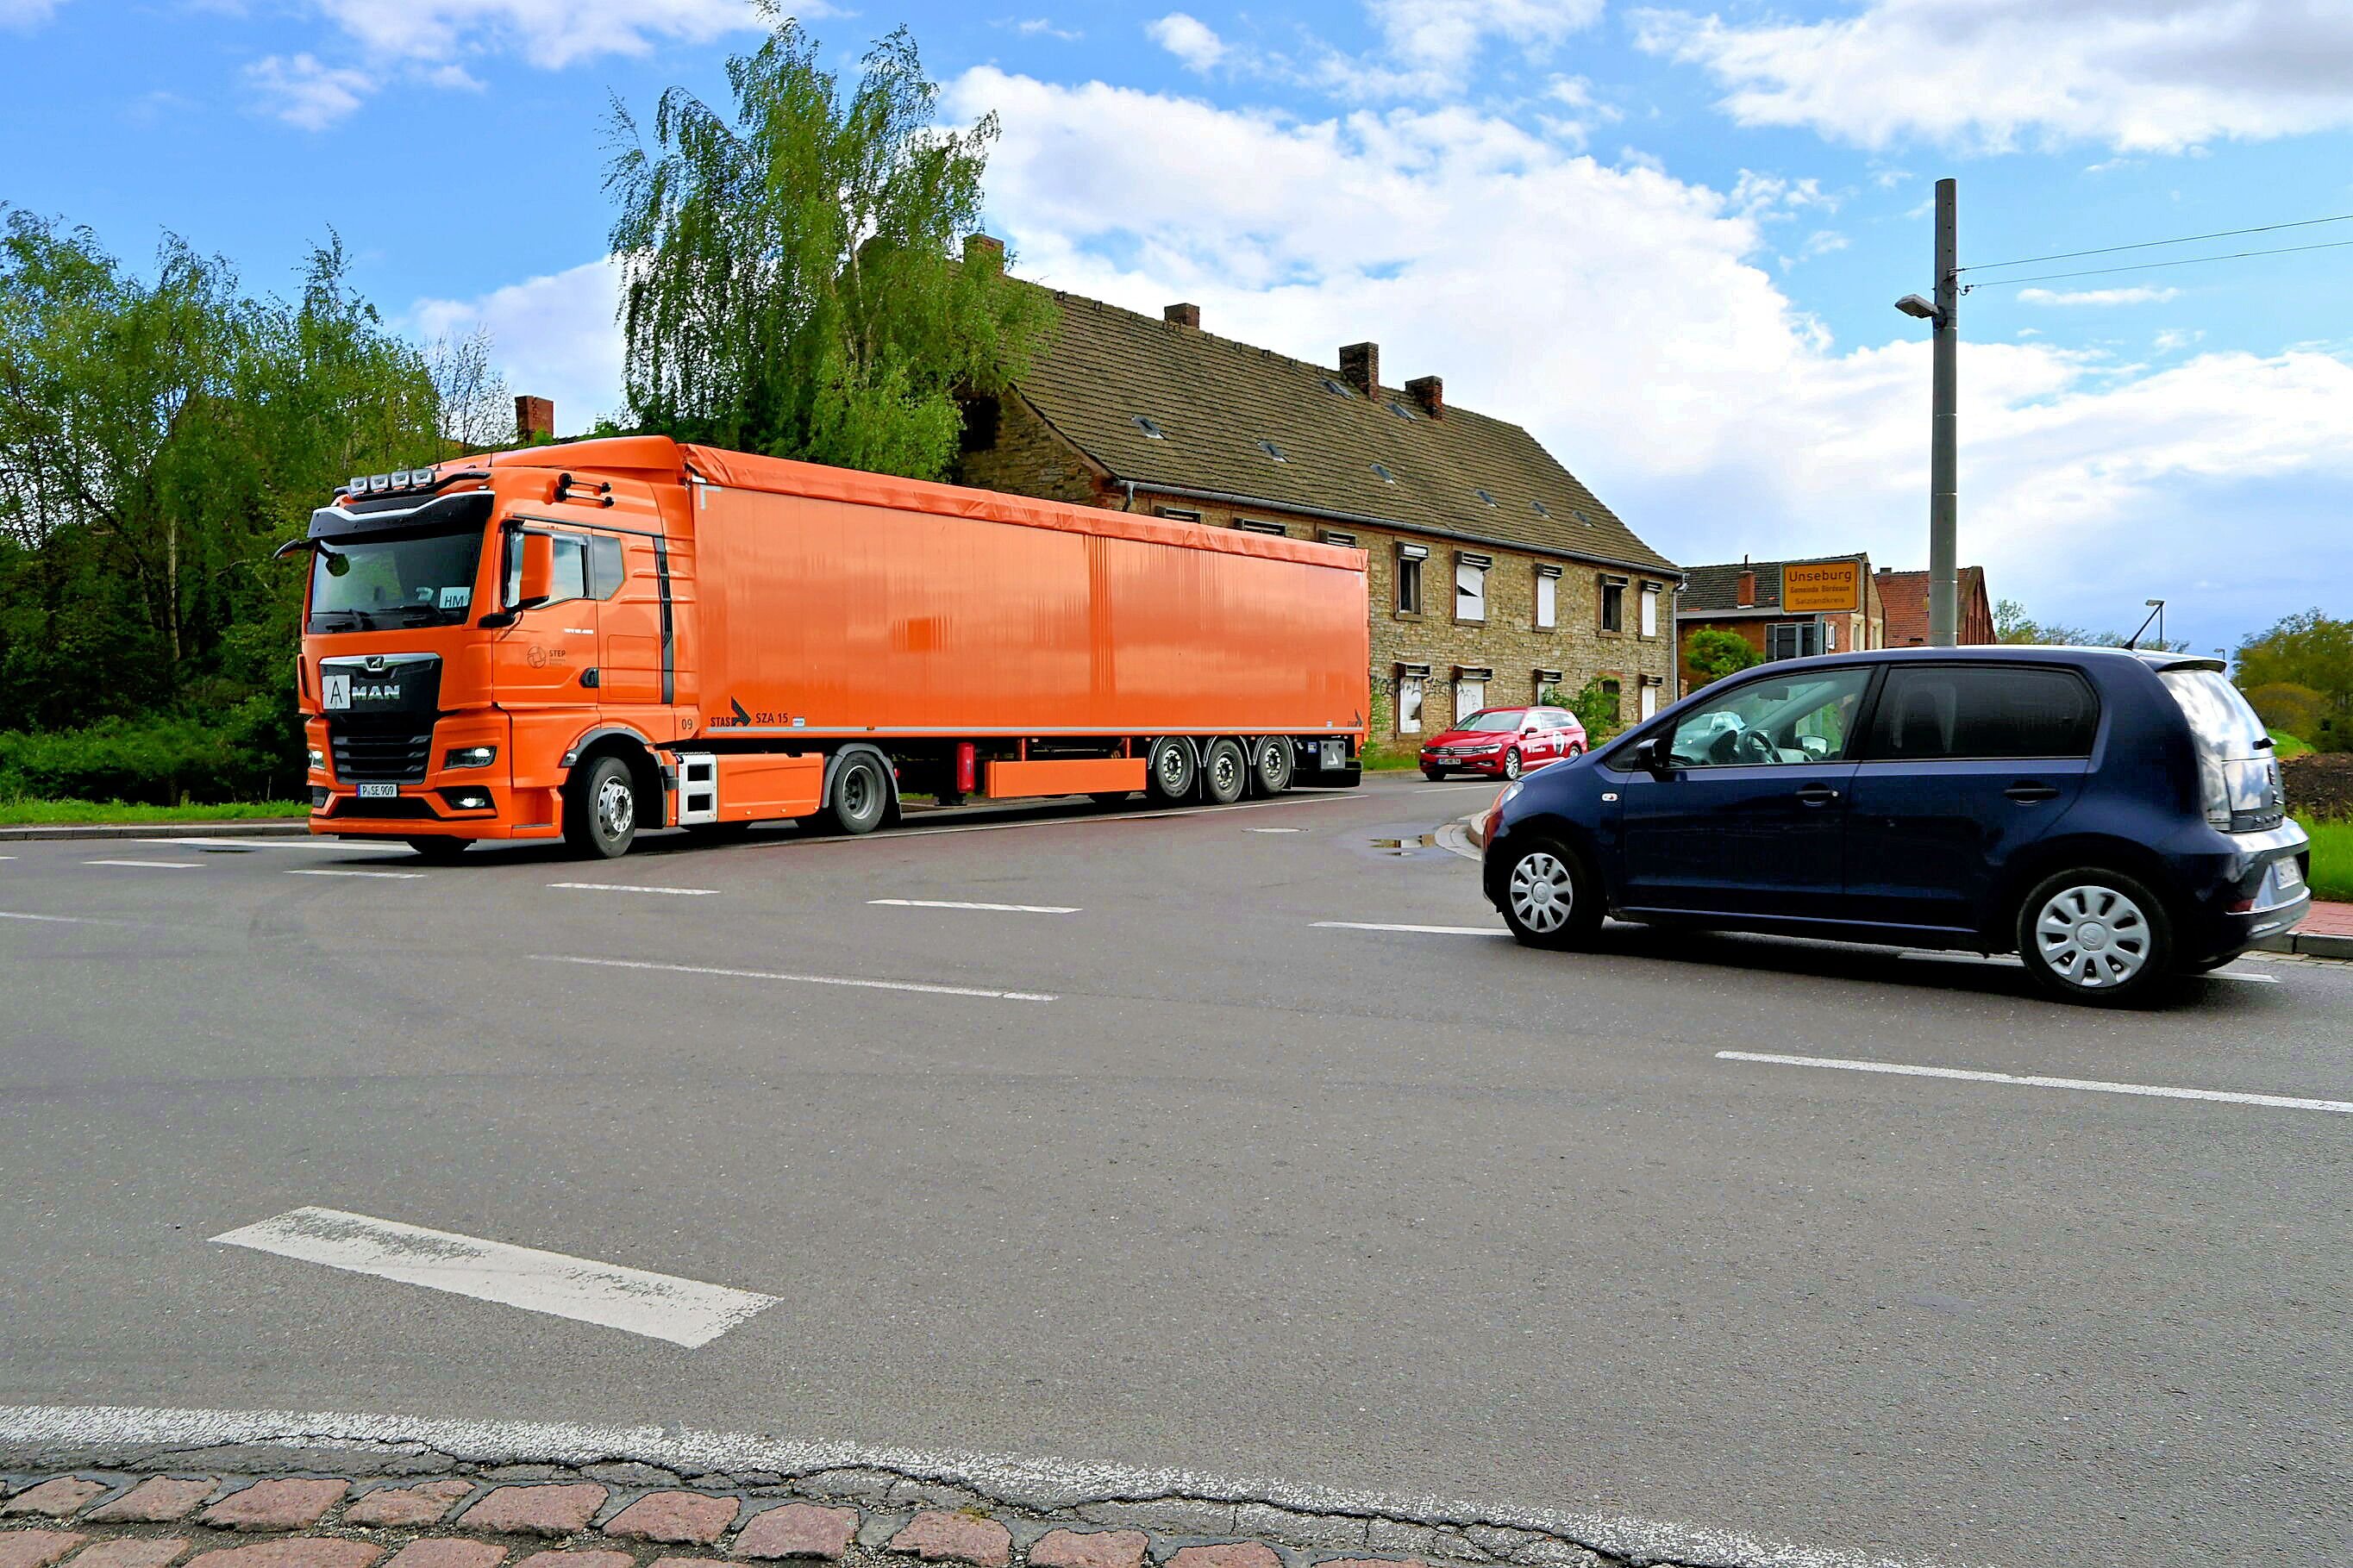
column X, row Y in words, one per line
column 397, row 752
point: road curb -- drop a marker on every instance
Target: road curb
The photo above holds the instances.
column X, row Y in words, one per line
column 2309, row 944
column 294, row 827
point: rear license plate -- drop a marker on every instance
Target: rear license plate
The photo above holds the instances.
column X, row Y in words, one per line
column 1335, row 754
column 2289, row 875
column 379, row 791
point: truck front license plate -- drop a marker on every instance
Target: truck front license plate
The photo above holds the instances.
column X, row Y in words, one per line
column 379, row 791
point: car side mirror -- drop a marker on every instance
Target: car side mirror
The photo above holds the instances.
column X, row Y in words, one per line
column 1653, row 756
column 538, row 570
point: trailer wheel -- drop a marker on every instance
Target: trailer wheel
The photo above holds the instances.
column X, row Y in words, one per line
column 1169, row 771
column 600, row 809
column 1225, row 772
column 1271, row 763
column 862, row 795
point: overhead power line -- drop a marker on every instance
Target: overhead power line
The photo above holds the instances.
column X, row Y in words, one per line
column 2152, row 266
column 2153, row 243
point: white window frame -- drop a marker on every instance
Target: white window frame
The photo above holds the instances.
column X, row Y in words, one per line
column 1649, row 700
column 1650, row 622
column 1548, row 598
column 1470, row 583
column 1470, row 695
column 1410, row 559
column 1412, row 691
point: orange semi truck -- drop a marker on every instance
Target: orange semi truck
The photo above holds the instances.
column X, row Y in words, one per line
column 584, row 641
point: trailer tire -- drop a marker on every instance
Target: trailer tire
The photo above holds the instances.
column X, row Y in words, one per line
column 1225, row 772
column 1271, row 764
column 1170, row 770
column 600, row 808
column 859, row 797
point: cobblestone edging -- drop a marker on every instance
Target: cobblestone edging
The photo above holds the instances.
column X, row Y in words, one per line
column 629, row 1515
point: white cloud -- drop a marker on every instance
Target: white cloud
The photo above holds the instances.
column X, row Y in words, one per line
column 1440, row 38
column 551, row 32
column 2096, row 296
column 2176, row 337
column 552, row 337
column 2134, row 75
column 1189, row 39
column 302, row 90
column 1043, row 26
column 27, row 14
column 1623, row 315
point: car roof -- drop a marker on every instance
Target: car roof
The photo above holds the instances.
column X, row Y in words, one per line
column 2155, row 658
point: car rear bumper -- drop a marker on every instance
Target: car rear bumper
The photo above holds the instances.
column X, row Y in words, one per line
column 2256, row 892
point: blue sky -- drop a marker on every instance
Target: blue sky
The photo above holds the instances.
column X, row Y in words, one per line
column 1665, row 237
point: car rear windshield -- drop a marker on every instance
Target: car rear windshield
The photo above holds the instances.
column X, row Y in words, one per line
column 375, row 581
column 2218, row 715
column 1494, row 720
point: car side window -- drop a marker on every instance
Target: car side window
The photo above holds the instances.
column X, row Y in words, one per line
column 1939, row 712
column 1790, row 721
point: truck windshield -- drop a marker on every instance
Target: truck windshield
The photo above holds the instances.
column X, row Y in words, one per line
column 373, row 582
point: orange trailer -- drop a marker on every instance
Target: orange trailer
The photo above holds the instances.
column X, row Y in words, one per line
column 585, row 640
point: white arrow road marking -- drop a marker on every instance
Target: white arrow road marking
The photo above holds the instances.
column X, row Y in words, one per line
column 635, row 888
column 659, row 1306
column 2036, row 1080
column 1425, row 931
column 802, row 979
column 1001, row 908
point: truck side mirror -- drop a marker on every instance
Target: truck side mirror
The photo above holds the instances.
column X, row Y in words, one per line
column 538, row 570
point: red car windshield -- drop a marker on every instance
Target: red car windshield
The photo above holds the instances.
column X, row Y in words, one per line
column 1494, row 720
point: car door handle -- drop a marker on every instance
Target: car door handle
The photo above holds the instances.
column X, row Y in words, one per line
column 1817, row 795
column 589, row 679
column 2028, row 793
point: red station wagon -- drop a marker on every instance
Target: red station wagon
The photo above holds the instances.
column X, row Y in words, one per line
column 1505, row 742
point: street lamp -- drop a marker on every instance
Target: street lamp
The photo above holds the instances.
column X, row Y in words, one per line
column 2159, row 606
column 1944, row 505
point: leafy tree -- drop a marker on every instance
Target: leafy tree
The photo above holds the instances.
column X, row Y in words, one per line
column 2287, row 707
column 2307, row 651
column 790, row 283
column 2011, row 624
column 1715, row 653
column 1597, row 707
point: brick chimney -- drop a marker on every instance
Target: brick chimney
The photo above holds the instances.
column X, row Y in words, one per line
column 1182, row 315
column 1429, row 393
column 985, row 250
column 1360, row 367
column 1746, row 599
column 534, row 419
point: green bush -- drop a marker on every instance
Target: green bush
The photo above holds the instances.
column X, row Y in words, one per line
column 251, row 751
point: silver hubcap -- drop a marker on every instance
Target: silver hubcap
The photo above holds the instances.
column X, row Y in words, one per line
column 616, row 807
column 1542, row 892
column 1226, row 772
column 1512, row 766
column 2093, row 937
column 1172, row 770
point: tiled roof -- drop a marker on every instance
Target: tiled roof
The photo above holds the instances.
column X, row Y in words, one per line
column 1214, row 400
column 1717, row 589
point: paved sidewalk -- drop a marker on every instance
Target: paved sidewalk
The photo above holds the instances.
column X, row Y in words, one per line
column 635, row 1516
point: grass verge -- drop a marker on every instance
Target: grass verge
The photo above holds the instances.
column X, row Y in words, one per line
column 2332, row 858
column 71, row 812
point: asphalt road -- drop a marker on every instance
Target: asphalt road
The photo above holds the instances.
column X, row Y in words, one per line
column 1214, row 1186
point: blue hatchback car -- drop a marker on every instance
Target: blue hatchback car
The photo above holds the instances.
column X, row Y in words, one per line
column 2114, row 817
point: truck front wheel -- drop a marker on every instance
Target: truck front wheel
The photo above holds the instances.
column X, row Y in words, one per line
column 860, row 795
column 600, row 809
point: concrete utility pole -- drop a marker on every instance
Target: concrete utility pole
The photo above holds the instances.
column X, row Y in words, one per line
column 1944, row 504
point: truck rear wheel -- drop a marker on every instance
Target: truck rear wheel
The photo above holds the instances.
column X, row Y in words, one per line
column 860, row 795
column 1169, row 771
column 600, row 809
column 1271, row 764
column 1224, row 772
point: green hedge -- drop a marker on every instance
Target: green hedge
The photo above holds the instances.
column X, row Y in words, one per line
column 250, row 751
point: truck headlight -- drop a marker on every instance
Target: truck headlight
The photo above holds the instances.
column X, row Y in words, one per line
column 469, row 757
column 318, row 758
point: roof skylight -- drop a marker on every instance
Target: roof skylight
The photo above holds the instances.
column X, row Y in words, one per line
column 1382, row 469
column 1402, row 412
column 1337, row 389
column 1271, row 450
column 1484, row 495
column 1542, row 509
column 1149, row 428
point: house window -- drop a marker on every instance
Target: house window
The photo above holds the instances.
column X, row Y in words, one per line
column 1613, row 604
column 1650, row 684
column 1249, row 525
column 1470, row 695
column 1545, row 681
column 1548, row 598
column 1470, row 585
column 1411, row 680
column 1609, row 695
column 1333, row 536
column 1179, row 513
column 1409, row 578
column 1650, row 609
column 1793, row 639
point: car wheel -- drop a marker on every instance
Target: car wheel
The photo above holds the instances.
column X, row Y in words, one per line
column 1271, row 765
column 1435, row 775
column 1512, row 763
column 440, row 851
column 862, row 794
column 1225, row 773
column 1168, row 771
column 600, row 809
column 1550, row 900
column 1574, row 752
column 2095, row 936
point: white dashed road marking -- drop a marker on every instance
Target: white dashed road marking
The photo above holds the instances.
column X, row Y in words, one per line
column 635, row 888
column 333, row 871
column 1001, row 908
column 2037, row 1080
column 289, row 842
column 152, row 865
column 51, row 920
column 1275, row 830
column 659, row 1306
column 853, row 981
column 1424, row 930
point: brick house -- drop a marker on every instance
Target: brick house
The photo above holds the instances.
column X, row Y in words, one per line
column 1906, row 595
column 1784, row 609
column 1493, row 573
